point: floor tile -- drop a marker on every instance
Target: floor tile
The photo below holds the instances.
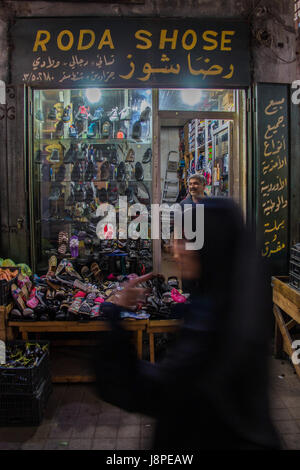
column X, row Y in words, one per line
column 106, row 417
column 61, row 430
column 129, row 431
column 37, row 444
column 6, row 445
column 130, row 418
column 295, row 412
column 128, row 444
column 287, row 427
column 147, row 431
column 56, row 444
column 104, row 444
column 106, row 431
column 80, row 444
column 280, row 414
column 292, row 441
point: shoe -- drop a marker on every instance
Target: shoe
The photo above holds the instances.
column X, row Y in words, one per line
column 66, row 117
column 79, row 193
column 38, row 156
column 82, row 113
column 60, row 175
column 137, row 130
column 145, row 115
column 74, row 243
column 102, row 195
column 97, row 115
column 139, row 173
column 113, row 156
column 52, row 115
column 122, row 186
column 99, row 155
column 105, row 167
column 39, row 115
column 114, row 114
column 77, row 172
column 147, row 156
column 54, row 156
column 59, row 129
column 142, row 193
column 90, row 195
column 121, row 172
column 55, row 192
column 90, row 171
column 105, row 129
column 71, row 198
column 121, row 134
column 130, row 156
column 126, row 114
column 73, row 131
column 91, row 130
column 70, row 156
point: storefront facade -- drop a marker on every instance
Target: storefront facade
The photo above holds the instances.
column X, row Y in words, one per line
column 138, row 62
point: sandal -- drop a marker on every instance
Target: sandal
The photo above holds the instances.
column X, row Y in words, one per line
column 75, row 306
column 96, row 271
column 52, row 265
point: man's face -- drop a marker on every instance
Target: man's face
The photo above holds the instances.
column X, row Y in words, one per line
column 195, row 187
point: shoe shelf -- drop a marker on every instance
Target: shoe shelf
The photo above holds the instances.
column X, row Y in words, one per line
column 97, row 141
column 76, row 143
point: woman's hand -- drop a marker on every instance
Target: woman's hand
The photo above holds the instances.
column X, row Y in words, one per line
column 130, row 295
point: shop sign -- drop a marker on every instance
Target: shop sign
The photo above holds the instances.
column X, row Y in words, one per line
column 130, row 52
column 273, row 173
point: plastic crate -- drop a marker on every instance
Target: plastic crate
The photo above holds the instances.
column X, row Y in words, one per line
column 22, row 380
column 294, row 281
column 24, row 410
column 295, row 267
column 295, row 253
column 5, row 287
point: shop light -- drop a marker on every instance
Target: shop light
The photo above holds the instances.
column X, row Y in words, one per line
column 93, row 95
column 191, row 96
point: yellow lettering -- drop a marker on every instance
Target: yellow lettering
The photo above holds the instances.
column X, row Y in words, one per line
column 164, row 39
column 206, row 38
column 106, row 40
column 139, row 35
column 225, row 40
column 81, row 47
column 60, row 45
column 39, row 42
column 186, row 46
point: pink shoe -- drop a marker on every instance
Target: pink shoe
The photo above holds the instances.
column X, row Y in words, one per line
column 111, row 277
column 80, row 294
column 32, row 302
column 98, row 300
column 177, row 297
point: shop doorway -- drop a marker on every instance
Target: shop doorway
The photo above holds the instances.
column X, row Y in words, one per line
column 210, row 140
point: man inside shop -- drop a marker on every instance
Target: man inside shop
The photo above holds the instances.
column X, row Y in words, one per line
column 196, row 185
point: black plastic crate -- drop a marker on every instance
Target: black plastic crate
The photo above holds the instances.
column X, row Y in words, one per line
column 295, row 267
column 24, row 410
column 294, row 281
column 20, row 380
column 295, row 253
column 5, row 287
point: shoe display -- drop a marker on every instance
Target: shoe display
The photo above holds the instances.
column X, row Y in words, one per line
column 105, row 167
column 88, row 154
column 147, row 156
column 139, row 173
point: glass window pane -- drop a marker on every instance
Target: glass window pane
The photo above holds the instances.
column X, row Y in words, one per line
column 196, row 100
column 90, row 146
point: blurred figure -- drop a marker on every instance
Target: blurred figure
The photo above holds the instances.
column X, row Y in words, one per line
column 211, row 390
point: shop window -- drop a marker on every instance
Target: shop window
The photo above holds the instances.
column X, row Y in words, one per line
column 196, row 100
column 90, row 146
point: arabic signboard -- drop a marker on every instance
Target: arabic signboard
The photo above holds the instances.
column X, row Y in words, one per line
column 273, row 174
column 130, row 52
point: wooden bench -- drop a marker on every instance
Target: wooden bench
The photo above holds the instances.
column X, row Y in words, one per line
column 160, row 326
column 285, row 299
